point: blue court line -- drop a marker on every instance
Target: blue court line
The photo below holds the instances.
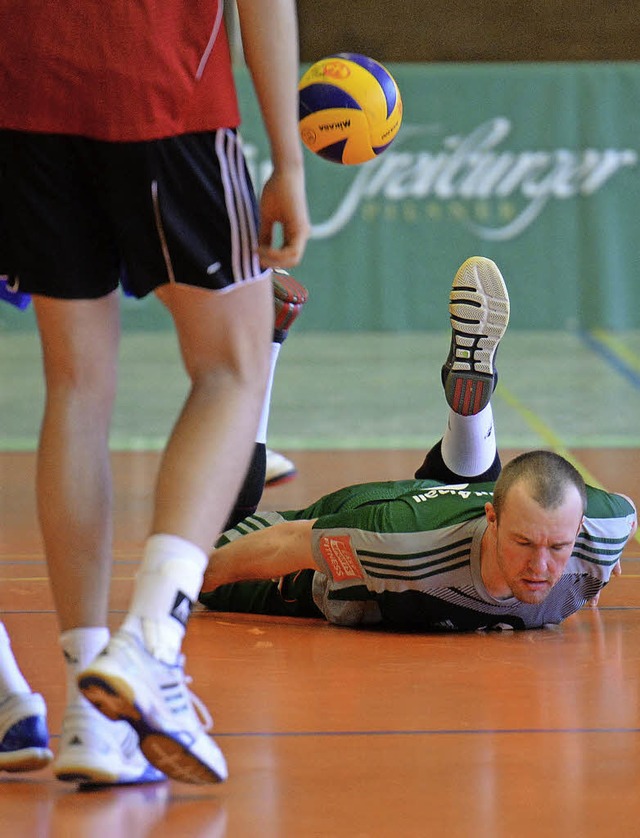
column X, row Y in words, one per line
column 6, row 562
column 36, row 559
column 124, row 611
column 615, row 353
column 345, row 734
column 282, row 734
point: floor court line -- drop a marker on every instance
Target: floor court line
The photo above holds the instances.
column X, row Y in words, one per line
column 545, row 433
column 615, row 353
column 347, row 734
column 551, row 438
column 302, row 734
column 618, row 347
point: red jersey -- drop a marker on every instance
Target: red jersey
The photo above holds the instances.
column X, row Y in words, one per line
column 119, row 70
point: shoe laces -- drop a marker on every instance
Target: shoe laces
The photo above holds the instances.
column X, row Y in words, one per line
column 199, row 707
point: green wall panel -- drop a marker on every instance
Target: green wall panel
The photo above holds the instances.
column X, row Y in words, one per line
column 533, row 165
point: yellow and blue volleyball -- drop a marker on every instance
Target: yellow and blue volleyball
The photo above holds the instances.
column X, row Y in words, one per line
column 350, row 108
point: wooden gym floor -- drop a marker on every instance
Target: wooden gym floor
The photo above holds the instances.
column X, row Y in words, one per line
column 335, row 733
column 338, row 733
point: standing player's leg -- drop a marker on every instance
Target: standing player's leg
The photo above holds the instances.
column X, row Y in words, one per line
column 80, row 348
column 224, row 340
column 61, row 249
column 189, row 232
column 479, row 313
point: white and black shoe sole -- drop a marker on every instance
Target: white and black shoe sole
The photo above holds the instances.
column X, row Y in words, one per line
column 479, row 314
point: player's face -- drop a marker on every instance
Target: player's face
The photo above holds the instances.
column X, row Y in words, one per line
column 533, row 545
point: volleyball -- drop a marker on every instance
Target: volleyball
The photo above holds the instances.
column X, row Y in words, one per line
column 350, row 108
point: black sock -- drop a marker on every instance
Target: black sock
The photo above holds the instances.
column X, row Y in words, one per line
column 252, row 488
column 435, row 468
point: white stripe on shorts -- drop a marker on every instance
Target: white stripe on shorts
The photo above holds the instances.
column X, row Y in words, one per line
column 238, row 201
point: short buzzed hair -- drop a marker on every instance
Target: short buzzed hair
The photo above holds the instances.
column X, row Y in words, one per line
column 547, row 475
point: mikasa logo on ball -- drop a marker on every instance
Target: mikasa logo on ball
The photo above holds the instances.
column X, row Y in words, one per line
column 332, row 126
column 310, row 137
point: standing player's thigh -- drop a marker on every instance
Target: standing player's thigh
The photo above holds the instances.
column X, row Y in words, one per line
column 233, row 327
column 58, row 237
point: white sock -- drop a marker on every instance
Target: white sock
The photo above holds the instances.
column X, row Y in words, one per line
column 167, row 584
column 469, row 442
column 11, row 679
column 261, row 434
column 79, row 647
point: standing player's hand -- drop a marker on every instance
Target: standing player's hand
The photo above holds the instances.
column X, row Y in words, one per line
column 283, row 214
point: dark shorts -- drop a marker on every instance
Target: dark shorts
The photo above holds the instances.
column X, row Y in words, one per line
column 78, row 216
column 290, row 596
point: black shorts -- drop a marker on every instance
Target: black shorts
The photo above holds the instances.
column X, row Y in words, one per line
column 78, row 216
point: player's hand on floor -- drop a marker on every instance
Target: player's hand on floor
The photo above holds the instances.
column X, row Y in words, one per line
column 593, row 602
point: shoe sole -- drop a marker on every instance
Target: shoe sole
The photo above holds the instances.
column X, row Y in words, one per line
column 479, row 314
column 27, row 759
column 279, row 479
column 114, row 698
column 289, row 297
column 94, row 777
column 287, row 289
column 86, row 775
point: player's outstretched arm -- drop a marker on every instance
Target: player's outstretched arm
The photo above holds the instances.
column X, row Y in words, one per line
column 264, row 554
column 593, row 602
column 617, row 569
column 270, row 41
column 634, row 525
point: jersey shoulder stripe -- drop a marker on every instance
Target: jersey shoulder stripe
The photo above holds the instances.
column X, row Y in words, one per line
column 414, row 574
column 420, row 554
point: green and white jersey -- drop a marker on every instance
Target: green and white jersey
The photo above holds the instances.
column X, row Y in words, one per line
column 407, row 554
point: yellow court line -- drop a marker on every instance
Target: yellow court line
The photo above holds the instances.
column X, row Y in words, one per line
column 46, row 578
column 545, row 432
column 23, row 579
column 618, row 348
column 551, row 438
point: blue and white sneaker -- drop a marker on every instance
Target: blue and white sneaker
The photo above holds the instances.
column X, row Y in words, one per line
column 126, row 682
column 96, row 751
column 24, row 738
column 479, row 313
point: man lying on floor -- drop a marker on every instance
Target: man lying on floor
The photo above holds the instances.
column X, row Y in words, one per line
column 465, row 545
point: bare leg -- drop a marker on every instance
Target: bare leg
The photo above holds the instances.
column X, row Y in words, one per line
column 207, row 455
column 224, row 339
column 80, row 352
column 80, row 345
